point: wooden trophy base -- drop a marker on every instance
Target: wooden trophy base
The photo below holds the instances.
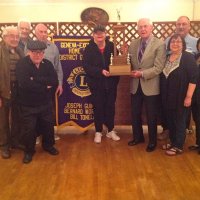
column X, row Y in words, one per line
column 119, row 66
column 119, row 70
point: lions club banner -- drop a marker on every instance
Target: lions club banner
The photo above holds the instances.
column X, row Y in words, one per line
column 74, row 106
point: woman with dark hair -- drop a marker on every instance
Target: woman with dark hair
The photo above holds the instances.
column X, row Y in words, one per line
column 178, row 82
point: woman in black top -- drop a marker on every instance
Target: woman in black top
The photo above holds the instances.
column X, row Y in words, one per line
column 103, row 87
column 178, row 82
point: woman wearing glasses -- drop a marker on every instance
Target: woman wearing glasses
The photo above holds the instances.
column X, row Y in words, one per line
column 178, row 82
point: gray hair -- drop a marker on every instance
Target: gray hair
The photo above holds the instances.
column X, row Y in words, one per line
column 24, row 20
column 8, row 29
column 146, row 19
column 183, row 16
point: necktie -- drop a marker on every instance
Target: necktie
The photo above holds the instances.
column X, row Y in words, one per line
column 141, row 52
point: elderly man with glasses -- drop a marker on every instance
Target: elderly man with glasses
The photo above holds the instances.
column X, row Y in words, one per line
column 9, row 56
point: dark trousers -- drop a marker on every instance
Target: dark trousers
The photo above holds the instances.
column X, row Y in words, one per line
column 151, row 107
column 10, row 123
column 30, row 117
column 4, row 123
column 188, row 119
column 104, row 108
column 162, row 115
column 38, row 125
column 177, row 124
column 196, row 117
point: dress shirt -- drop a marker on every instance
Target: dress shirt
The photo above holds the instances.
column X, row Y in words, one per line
column 52, row 54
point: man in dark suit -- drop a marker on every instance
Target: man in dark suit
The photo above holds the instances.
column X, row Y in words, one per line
column 148, row 56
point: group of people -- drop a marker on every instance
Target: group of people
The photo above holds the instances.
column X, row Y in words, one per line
column 164, row 77
column 30, row 75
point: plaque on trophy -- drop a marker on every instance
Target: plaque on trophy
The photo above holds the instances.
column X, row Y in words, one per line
column 119, row 62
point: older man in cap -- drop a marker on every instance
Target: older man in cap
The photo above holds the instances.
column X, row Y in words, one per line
column 51, row 53
column 9, row 55
column 36, row 77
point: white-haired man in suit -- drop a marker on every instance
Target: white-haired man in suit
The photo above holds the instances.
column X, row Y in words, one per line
column 148, row 56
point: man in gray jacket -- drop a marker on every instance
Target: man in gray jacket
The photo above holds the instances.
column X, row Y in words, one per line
column 148, row 56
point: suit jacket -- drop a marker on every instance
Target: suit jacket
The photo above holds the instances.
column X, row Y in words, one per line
column 152, row 64
column 5, row 69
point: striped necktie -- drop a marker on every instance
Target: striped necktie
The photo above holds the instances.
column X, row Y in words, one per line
column 141, row 52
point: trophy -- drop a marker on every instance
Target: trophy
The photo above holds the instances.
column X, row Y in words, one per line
column 120, row 61
column 118, row 17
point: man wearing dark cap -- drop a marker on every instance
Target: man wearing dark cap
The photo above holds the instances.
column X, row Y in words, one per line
column 103, row 87
column 36, row 77
column 51, row 53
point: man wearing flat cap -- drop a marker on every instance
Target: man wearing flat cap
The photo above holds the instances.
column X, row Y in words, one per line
column 36, row 77
column 51, row 53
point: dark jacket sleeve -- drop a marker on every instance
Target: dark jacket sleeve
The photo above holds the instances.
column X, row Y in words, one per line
column 90, row 62
column 94, row 62
column 191, row 67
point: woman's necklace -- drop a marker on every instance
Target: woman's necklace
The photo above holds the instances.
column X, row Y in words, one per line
column 174, row 57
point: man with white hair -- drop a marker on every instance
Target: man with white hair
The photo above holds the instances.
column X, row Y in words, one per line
column 148, row 56
column 24, row 31
column 10, row 53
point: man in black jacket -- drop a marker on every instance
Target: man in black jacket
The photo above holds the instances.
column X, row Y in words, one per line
column 36, row 77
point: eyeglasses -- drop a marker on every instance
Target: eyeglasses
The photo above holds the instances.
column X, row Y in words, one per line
column 176, row 42
column 182, row 24
column 12, row 36
column 24, row 29
column 143, row 27
column 38, row 52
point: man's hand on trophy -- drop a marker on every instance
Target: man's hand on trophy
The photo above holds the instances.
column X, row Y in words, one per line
column 136, row 74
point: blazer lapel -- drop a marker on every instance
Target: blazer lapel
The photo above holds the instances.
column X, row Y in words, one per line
column 136, row 51
column 148, row 48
